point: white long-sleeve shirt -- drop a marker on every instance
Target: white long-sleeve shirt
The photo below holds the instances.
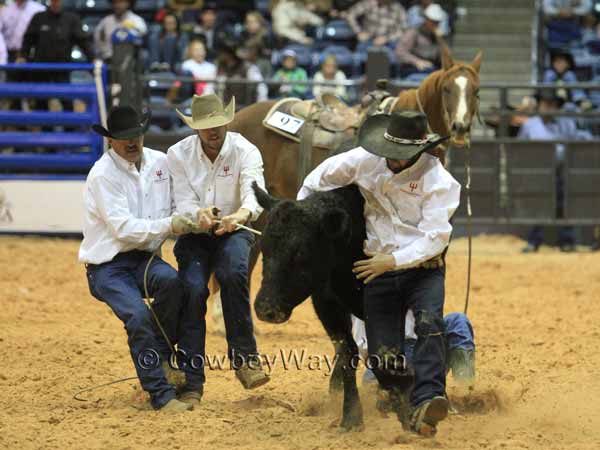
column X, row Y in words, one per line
column 226, row 183
column 406, row 214
column 125, row 209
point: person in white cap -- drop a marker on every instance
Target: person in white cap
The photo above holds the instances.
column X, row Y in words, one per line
column 212, row 173
column 419, row 49
column 415, row 17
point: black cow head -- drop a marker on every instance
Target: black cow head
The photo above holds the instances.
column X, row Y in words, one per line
column 298, row 245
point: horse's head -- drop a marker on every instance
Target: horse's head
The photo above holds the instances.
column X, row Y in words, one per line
column 460, row 96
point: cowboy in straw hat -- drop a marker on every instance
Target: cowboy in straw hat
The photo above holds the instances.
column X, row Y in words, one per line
column 213, row 171
column 409, row 200
column 127, row 204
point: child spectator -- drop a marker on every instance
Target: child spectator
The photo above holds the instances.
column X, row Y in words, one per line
column 166, row 47
column 291, row 72
column 197, row 65
column 562, row 72
column 330, row 72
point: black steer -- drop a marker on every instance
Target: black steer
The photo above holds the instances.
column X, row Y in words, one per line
column 309, row 248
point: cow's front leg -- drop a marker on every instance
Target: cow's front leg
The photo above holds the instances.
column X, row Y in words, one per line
column 338, row 325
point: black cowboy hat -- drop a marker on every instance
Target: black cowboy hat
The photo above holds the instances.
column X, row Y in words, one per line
column 398, row 135
column 123, row 123
column 550, row 95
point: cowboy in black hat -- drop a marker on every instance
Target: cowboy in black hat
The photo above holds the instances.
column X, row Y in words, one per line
column 127, row 217
column 409, row 200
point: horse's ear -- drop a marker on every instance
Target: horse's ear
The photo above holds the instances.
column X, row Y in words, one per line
column 476, row 63
column 264, row 199
column 447, row 61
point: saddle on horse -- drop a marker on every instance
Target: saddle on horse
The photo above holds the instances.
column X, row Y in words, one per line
column 332, row 120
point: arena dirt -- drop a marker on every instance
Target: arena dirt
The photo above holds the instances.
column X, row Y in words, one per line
column 537, row 325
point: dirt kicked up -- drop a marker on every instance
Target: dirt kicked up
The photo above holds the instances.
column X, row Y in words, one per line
column 537, row 327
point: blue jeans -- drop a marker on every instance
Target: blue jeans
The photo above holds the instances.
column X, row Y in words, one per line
column 386, row 300
column 227, row 256
column 120, row 283
column 458, row 333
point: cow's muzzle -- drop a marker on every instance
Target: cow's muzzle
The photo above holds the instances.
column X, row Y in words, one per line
column 270, row 311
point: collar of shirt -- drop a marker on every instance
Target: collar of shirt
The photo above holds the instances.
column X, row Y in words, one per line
column 125, row 165
column 223, row 153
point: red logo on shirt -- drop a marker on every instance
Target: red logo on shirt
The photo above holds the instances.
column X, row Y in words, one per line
column 413, row 186
column 159, row 176
column 226, row 169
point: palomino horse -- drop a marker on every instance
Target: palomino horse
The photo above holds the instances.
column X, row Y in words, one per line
column 448, row 97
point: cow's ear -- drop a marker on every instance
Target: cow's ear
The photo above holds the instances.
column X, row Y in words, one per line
column 264, row 199
column 335, row 223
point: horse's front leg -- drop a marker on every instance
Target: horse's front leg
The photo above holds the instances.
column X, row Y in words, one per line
column 338, row 325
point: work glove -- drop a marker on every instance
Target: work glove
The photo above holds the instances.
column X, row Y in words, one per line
column 181, row 225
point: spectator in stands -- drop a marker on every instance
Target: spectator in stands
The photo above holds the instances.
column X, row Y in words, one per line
column 419, row 50
column 378, row 23
column 50, row 38
column 256, row 44
column 206, row 29
column 563, row 19
column 122, row 17
column 199, row 68
column 14, row 20
column 166, row 47
column 231, row 65
column 290, row 17
column 290, row 72
column 330, row 72
column 552, row 128
column 562, row 72
column 415, row 17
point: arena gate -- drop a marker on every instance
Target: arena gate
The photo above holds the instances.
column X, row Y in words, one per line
column 42, row 172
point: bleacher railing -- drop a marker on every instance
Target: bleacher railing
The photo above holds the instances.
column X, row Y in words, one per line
column 71, row 150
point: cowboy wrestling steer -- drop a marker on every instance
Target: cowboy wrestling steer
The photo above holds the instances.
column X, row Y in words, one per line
column 309, row 248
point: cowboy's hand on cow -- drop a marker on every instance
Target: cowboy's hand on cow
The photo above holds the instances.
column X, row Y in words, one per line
column 206, row 219
column 230, row 223
column 181, row 225
column 369, row 269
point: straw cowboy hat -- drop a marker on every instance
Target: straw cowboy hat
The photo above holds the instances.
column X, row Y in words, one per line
column 398, row 135
column 208, row 112
column 123, row 123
